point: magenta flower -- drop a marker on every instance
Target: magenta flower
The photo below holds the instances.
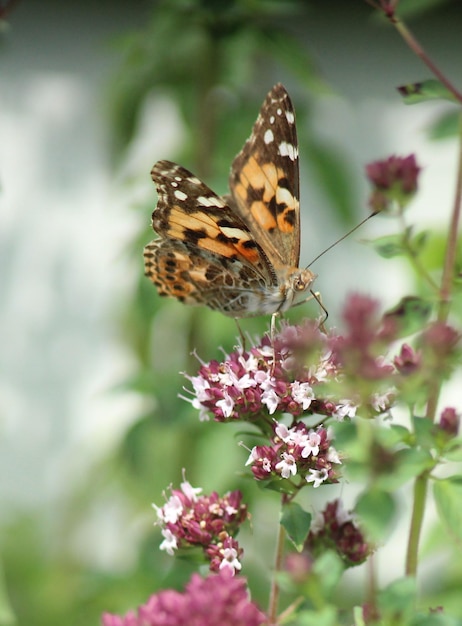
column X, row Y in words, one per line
column 300, row 453
column 450, row 421
column 287, row 376
column 189, row 519
column 336, row 529
column 393, row 180
column 217, row 599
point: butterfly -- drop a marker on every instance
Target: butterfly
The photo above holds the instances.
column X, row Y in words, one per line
column 239, row 253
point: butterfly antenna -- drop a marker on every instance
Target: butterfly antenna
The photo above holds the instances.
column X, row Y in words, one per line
column 341, row 238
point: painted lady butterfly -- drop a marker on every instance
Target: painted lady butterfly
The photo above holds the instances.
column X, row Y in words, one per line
column 237, row 254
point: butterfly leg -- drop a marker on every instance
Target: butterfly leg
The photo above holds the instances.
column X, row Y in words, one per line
column 317, row 296
column 241, row 334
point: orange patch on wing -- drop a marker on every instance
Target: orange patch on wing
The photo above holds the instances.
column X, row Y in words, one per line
column 263, row 215
column 251, row 254
column 220, row 248
column 198, row 219
column 285, row 223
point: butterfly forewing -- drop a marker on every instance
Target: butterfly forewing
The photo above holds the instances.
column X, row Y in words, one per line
column 264, row 180
column 190, row 211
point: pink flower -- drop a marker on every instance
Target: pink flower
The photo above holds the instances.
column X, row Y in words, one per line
column 218, row 599
column 393, row 180
column 450, row 421
column 190, row 519
column 336, row 528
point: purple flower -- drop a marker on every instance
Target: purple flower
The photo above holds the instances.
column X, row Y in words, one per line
column 393, row 179
column 297, row 452
column 191, row 519
column 218, row 599
column 336, row 528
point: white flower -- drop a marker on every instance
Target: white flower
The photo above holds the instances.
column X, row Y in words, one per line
column 294, row 436
column 230, row 560
column 226, row 405
column 381, row 401
column 251, row 364
column 332, row 456
column 172, row 509
column 311, row 445
column 169, row 543
column 317, row 477
column 342, row 515
column 303, row 394
column 271, row 400
column 287, row 466
column 345, row 409
column 317, row 523
column 253, row 456
column 200, row 386
column 264, row 380
column 190, row 491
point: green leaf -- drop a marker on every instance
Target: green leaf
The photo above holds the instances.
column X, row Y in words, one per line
column 376, row 510
column 329, row 569
column 409, row 315
column 448, row 499
column 296, row 523
column 398, row 598
column 388, row 246
column 453, row 450
column 395, row 434
column 445, row 127
column 409, row 463
column 431, row 89
column 424, row 430
column 435, row 619
column 326, row 616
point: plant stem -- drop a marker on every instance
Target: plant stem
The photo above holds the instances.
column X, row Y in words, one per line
column 420, row 52
column 274, row 591
column 445, row 292
column 451, row 248
column 418, row 509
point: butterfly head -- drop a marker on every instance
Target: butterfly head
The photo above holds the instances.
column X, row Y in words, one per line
column 297, row 283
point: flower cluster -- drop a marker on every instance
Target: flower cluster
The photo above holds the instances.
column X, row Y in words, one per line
column 288, row 374
column 394, row 180
column 336, row 529
column 300, row 451
column 210, row 522
column 217, row 599
column 300, row 372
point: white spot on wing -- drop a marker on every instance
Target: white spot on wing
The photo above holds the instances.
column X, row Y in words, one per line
column 271, row 119
column 180, row 195
column 288, row 150
column 279, row 111
column 235, row 232
column 290, row 117
column 283, row 196
column 268, row 137
column 211, row 201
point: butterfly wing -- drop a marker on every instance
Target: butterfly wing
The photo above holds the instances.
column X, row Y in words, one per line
column 205, row 248
column 180, row 270
column 264, row 180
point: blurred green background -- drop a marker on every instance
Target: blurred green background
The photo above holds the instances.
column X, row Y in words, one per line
column 91, row 426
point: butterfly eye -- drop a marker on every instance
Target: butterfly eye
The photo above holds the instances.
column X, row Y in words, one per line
column 299, row 284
